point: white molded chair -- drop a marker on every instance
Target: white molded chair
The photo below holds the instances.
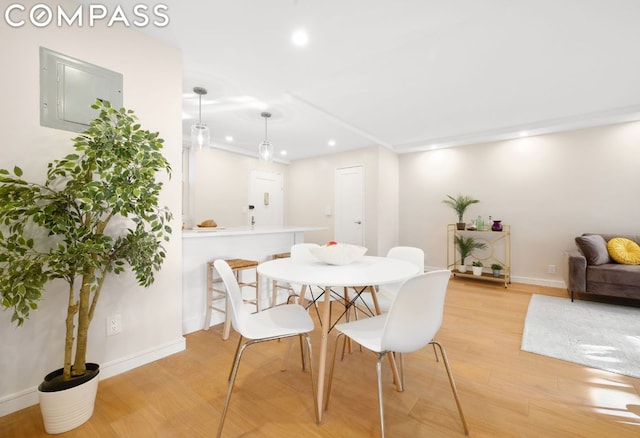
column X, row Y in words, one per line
column 387, row 292
column 274, row 323
column 410, row 324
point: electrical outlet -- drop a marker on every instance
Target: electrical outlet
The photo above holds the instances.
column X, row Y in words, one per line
column 551, row 269
column 114, row 325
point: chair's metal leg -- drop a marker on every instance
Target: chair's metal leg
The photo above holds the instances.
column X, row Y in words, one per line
column 237, row 350
column 453, row 385
column 402, row 380
column 436, row 353
column 333, row 365
column 313, row 381
column 232, row 379
column 344, row 347
column 285, row 359
column 303, row 357
column 379, row 372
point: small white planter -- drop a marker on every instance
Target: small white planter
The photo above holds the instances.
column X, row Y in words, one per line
column 462, row 268
column 477, row 270
column 69, row 408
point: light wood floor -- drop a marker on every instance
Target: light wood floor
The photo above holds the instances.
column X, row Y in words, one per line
column 504, row 392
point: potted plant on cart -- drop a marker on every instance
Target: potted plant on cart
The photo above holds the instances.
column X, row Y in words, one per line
column 460, row 205
column 95, row 214
column 477, row 267
column 466, row 245
column 496, row 268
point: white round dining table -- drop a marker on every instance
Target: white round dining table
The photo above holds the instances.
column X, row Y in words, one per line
column 369, row 271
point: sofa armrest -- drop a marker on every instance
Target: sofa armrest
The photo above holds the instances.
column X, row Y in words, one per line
column 576, row 271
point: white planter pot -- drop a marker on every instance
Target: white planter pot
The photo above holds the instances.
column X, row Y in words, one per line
column 462, row 268
column 68, row 408
column 477, row 270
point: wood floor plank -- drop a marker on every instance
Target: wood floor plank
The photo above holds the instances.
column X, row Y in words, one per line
column 504, row 391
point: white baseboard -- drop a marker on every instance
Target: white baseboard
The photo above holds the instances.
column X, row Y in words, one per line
column 540, row 282
column 29, row 397
column 524, row 280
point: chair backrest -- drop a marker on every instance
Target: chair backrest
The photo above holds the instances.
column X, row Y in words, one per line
column 238, row 313
column 409, row 254
column 416, row 313
column 302, row 251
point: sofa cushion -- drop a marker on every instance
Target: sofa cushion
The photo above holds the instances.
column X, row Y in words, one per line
column 624, row 251
column 613, row 274
column 594, row 249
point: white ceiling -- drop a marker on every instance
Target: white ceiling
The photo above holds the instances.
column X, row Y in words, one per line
column 404, row 74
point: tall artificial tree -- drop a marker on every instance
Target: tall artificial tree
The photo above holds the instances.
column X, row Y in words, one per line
column 96, row 213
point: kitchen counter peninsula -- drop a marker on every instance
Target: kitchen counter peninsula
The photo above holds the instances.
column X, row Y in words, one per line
column 202, row 245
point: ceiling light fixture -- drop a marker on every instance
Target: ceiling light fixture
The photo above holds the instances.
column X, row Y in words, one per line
column 300, row 38
column 331, row 143
column 199, row 131
column 265, row 149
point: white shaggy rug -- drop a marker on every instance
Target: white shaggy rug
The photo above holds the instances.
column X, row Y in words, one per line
column 597, row 335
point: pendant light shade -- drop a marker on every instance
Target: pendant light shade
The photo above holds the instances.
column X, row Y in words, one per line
column 199, row 131
column 265, row 149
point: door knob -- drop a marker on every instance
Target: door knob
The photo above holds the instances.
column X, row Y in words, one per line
column 358, row 222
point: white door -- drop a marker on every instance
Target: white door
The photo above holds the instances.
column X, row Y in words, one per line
column 266, row 197
column 349, row 205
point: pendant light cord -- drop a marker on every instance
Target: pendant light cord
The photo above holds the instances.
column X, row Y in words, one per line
column 265, row 130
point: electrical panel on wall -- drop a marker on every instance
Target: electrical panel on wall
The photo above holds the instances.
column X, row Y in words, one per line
column 68, row 88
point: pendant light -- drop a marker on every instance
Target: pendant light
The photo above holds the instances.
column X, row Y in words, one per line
column 199, row 131
column 265, row 149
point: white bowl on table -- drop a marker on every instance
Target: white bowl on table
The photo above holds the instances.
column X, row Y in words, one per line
column 339, row 253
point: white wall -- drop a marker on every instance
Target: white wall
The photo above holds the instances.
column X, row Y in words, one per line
column 549, row 188
column 311, row 191
column 221, row 186
column 388, row 206
column 151, row 318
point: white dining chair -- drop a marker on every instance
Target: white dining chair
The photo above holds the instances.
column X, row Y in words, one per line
column 277, row 322
column 386, row 293
column 415, row 316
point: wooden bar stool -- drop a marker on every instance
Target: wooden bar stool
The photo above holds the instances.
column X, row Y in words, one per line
column 276, row 285
column 216, row 293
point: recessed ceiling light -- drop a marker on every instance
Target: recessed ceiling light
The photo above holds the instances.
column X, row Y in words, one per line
column 228, row 138
column 283, row 153
column 434, row 146
column 523, row 134
column 300, row 38
column 331, row 143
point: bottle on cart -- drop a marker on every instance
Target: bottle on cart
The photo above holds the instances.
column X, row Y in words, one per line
column 479, row 224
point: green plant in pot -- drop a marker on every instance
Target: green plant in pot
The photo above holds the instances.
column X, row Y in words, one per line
column 466, row 245
column 477, row 267
column 496, row 268
column 460, row 205
column 95, row 214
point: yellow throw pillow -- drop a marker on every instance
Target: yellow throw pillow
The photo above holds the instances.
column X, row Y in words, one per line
column 624, row 251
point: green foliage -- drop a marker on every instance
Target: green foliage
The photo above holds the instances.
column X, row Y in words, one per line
column 96, row 213
column 496, row 266
column 466, row 245
column 460, row 204
column 477, row 264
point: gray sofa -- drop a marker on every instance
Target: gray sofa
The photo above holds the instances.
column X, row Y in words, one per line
column 590, row 270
